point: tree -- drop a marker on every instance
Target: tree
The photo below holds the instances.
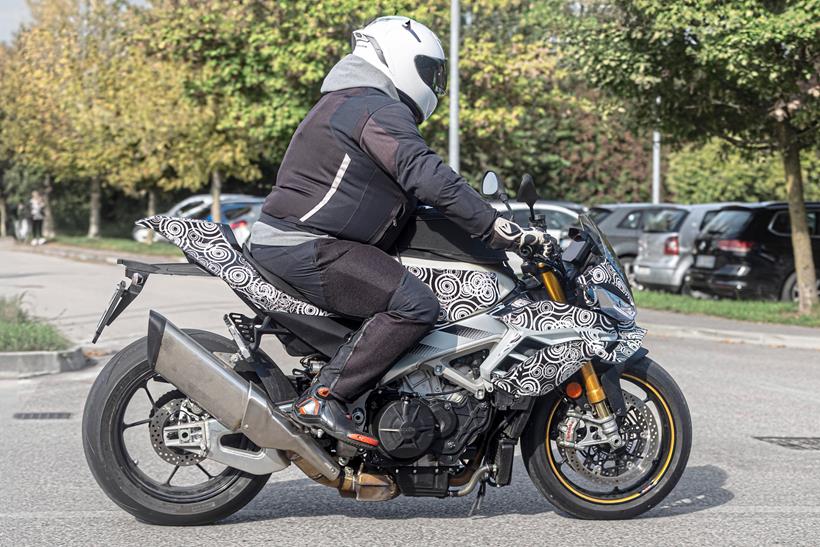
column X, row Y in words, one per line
column 92, row 32
column 522, row 111
column 743, row 71
column 262, row 64
column 34, row 124
column 61, row 123
column 716, row 172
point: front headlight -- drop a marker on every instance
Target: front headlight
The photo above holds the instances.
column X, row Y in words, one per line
column 614, row 306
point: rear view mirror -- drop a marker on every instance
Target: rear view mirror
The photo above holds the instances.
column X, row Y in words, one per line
column 527, row 192
column 490, row 186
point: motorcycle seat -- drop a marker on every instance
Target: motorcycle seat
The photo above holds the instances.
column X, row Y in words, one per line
column 269, row 276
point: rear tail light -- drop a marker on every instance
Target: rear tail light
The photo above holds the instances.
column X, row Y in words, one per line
column 240, row 224
column 671, row 246
column 735, row 246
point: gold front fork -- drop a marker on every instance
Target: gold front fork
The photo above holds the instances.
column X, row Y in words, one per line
column 595, row 393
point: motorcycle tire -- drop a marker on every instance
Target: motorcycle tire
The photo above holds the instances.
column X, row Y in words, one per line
column 545, row 471
column 109, row 461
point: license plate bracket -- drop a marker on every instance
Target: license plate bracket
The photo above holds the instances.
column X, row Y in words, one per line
column 124, row 293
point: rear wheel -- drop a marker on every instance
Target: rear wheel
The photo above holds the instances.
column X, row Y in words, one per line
column 790, row 292
column 600, row 482
column 127, row 408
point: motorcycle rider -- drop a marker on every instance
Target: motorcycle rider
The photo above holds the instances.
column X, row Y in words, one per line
column 350, row 179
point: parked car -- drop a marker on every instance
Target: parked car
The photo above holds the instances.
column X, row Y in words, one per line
column 558, row 220
column 746, row 252
column 666, row 244
column 239, row 215
column 558, row 217
column 576, row 208
column 622, row 223
column 191, row 206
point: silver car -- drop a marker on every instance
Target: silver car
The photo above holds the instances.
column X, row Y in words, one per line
column 188, row 207
column 558, row 219
column 666, row 243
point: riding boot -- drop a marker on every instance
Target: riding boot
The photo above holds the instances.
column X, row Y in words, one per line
column 318, row 408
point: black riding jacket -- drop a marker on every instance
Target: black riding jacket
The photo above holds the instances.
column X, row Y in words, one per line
column 357, row 166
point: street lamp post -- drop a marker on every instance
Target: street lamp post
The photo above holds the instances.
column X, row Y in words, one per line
column 656, row 161
column 455, row 20
column 656, row 166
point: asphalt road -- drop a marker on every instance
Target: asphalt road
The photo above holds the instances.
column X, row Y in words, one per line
column 737, row 490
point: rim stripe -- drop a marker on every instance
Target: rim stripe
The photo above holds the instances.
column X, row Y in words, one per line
column 630, row 497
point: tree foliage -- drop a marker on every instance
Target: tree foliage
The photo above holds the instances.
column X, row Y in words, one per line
column 746, row 71
column 263, row 63
column 714, row 172
column 165, row 94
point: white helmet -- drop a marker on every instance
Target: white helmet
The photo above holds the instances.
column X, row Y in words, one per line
column 411, row 55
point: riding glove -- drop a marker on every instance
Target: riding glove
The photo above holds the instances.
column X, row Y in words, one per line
column 506, row 234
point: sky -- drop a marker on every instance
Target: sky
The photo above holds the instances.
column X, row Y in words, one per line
column 12, row 13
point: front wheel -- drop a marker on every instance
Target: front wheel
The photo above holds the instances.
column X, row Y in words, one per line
column 601, row 482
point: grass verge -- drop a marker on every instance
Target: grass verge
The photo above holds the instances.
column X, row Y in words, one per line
column 119, row 244
column 784, row 313
column 19, row 331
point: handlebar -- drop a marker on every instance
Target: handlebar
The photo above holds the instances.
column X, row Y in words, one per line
column 528, row 252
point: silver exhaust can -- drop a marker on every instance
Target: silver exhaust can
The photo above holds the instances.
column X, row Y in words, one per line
column 236, row 403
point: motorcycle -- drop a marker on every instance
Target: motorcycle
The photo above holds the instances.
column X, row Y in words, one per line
column 551, row 360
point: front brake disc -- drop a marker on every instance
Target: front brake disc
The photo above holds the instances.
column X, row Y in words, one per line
column 605, row 465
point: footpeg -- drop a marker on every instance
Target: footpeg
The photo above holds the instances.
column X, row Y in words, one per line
column 240, row 340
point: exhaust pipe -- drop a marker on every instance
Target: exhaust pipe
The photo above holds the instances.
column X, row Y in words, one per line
column 236, row 403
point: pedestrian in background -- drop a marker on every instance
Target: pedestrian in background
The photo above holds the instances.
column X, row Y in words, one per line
column 36, row 208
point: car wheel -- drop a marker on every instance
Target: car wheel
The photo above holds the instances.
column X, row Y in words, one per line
column 140, row 235
column 628, row 263
column 790, row 292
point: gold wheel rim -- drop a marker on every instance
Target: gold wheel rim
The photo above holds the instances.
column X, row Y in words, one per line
column 630, row 497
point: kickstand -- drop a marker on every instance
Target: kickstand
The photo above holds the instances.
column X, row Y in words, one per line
column 482, row 491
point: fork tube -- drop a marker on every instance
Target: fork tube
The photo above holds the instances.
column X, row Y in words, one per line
column 595, row 393
column 554, row 289
column 592, row 386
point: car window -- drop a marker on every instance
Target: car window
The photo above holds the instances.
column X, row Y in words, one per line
column 728, row 223
column 665, row 220
column 236, row 212
column 597, row 215
column 781, row 223
column 204, row 214
column 184, row 211
column 631, row 221
column 707, row 218
column 556, row 220
column 199, row 213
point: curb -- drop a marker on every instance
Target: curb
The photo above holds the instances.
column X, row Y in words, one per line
column 737, row 337
column 22, row 364
column 89, row 255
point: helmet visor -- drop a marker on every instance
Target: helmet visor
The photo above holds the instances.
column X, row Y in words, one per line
column 433, row 72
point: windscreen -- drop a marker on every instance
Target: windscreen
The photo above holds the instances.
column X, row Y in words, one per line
column 728, row 223
column 598, row 214
column 605, row 250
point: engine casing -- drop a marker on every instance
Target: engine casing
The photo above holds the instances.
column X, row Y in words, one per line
column 406, row 429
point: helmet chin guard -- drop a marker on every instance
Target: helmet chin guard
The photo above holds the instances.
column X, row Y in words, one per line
column 408, row 53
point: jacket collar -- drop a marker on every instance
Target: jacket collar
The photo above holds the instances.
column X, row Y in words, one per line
column 353, row 71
